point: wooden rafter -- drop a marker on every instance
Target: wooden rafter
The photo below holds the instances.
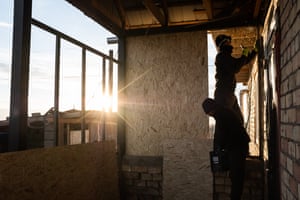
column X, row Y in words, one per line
column 208, row 6
column 97, row 5
column 256, row 9
column 121, row 12
column 165, row 10
column 149, row 4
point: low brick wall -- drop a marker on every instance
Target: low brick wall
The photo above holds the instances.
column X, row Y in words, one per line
column 253, row 187
column 74, row 172
column 142, row 177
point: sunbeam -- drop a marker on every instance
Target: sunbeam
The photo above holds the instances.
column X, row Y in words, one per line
column 126, row 121
column 133, row 81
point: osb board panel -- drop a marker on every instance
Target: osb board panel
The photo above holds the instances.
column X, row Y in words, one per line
column 86, row 171
column 166, row 82
column 186, row 169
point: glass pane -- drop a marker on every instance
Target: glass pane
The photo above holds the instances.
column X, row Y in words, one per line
column 94, row 86
column 70, row 77
column 6, row 26
column 75, row 137
column 115, row 88
column 42, row 70
column 61, row 15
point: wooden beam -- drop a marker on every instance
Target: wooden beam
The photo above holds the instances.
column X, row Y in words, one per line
column 121, row 12
column 207, row 4
column 115, row 26
column 256, row 9
column 225, row 23
column 105, row 11
column 149, row 4
column 165, row 10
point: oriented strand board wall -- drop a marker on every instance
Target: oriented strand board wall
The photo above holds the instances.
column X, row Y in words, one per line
column 167, row 80
column 70, row 172
column 186, row 170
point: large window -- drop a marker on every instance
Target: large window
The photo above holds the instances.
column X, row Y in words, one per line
column 42, row 71
column 60, row 15
column 70, row 77
column 6, row 25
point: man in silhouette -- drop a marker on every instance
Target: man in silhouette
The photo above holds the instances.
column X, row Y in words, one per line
column 234, row 139
column 226, row 69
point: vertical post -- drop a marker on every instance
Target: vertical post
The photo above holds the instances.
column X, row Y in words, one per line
column 83, row 81
column 121, row 84
column 261, row 98
column 121, row 146
column 111, row 69
column 20, row 75
column 56, row 88
column 103, row 76
column 104, row 94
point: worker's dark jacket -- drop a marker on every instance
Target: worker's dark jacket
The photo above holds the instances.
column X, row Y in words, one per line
column 226, row 68
column 232, row 134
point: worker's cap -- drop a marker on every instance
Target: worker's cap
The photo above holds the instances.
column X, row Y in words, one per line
column 209, row 105
column 222, row 39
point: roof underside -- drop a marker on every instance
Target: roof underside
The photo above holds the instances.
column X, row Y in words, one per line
column 238, row 18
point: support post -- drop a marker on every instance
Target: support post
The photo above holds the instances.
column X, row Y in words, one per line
column 83, row 96
column 20, row 75
column 56, row 86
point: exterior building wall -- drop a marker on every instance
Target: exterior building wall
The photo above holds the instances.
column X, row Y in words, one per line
column 252, row 123
column 166, row 82
column 290, row 99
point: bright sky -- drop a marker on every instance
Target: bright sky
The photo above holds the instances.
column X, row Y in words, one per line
column 211, row 65
column 64, row 17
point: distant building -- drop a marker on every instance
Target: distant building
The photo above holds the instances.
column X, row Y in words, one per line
column 97, row 125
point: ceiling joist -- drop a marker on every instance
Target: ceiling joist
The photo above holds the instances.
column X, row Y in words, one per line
column 209, row 10
column 165, row 10
column 97, row 5
column 121, row 12
column 257, row 8
column 149, row 4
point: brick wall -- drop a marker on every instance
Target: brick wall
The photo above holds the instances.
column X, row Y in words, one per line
column 252, row 123
column 142, row 177
column 254, row 182
column 290, row 99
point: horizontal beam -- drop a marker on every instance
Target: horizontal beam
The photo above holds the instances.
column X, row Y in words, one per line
column 208, row 26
